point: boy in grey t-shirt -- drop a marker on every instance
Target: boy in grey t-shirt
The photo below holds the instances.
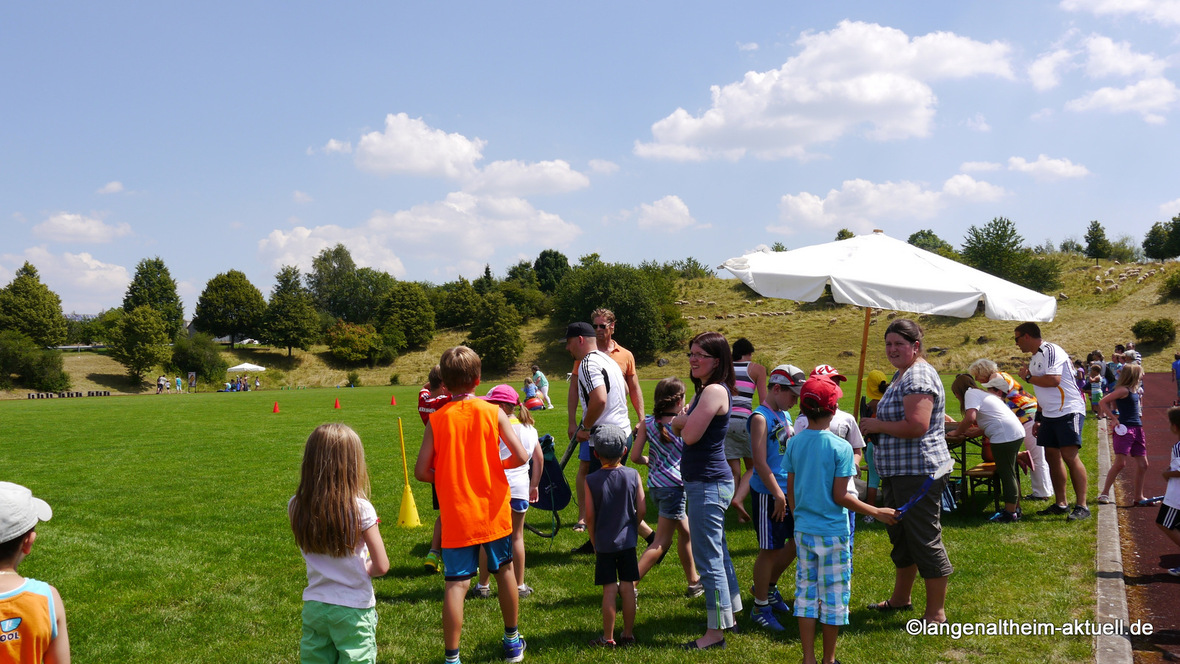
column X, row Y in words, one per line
column 615, row 504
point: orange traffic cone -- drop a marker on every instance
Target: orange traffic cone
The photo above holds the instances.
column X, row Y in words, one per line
column 276, row 407
column 392, row 401
column 337, row 403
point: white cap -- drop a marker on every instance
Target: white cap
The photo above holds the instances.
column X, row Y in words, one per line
column 20, row 511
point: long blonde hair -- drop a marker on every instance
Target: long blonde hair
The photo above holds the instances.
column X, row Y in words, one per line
column 1129, row 377
column 325, row 517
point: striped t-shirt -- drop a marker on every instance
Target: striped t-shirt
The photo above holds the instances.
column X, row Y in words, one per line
column 663, row 464
column 743, row 398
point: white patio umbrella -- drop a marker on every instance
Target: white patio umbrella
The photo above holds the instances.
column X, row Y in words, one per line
column 878, row 272
column 246, row 366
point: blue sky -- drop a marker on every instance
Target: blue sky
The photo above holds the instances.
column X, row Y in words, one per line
column 432, row 138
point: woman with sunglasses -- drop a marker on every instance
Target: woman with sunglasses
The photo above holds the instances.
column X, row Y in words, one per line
column 708, row 481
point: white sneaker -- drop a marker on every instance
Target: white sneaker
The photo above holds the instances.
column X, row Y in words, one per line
column 1104, row 499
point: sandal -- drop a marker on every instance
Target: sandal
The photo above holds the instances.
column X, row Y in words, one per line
column 693, row 645
column 579, row 528
column 600, row 642
column 1104, row 499
column 1147, row 502
column 624, row 641
column 885, row 607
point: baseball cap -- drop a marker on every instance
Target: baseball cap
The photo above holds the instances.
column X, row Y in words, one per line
column 502, row 394
column 579, row 329
column 875, row 384
column 829, row 371
column 788, row 375
column 608, row 440
column 998, row 383
column 823, row 392
column 20, row 511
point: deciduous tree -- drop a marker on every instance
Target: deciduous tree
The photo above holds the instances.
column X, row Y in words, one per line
column 141, row 341
column 290, row 320
column 230, row 306
column 495, row 333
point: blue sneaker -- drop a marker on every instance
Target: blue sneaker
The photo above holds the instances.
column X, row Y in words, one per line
column 777, row 603
column 763, row 616
column 514, row 652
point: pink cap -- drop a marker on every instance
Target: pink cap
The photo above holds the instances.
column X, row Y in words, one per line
column 502, row 394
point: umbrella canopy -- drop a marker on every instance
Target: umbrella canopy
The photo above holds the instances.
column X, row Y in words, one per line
column 878, row 272
column 246, row 366
column 883, row 273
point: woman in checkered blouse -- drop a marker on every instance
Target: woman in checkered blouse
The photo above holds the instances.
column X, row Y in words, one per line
column 910, row 447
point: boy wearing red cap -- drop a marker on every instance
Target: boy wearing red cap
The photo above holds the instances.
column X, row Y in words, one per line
column 32, row 617
column 818, row 464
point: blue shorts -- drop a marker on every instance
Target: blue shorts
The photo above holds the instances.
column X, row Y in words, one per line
column 463, row 563
column 1064, row 431
column 584, row 453
column 518, row 505
column 772, row 535
column 669, row 501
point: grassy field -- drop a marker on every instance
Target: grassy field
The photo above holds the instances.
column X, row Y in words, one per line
column 170, row 544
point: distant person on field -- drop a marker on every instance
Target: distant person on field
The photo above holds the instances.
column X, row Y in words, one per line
column 336, row 529
column 1169, row 514
column 615, row 505
column 1176, row 378
column 749, row 379
column 460, row 455
column 1097, row 387
column 530, row 390
column 542, row 385
column 431, row 397
column 178, row 385
column 39, row 633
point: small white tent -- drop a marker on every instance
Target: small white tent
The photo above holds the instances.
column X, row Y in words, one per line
column 246, row 366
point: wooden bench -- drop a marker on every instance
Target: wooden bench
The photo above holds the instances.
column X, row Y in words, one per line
column 984, row 475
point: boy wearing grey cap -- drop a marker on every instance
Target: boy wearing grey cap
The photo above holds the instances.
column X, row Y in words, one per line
column 615, row 505
column 32, row 616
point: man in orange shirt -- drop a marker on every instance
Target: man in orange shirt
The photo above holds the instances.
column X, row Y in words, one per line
column 460, row 455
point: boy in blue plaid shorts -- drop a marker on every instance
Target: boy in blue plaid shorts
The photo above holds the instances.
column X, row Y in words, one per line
column 818, row 464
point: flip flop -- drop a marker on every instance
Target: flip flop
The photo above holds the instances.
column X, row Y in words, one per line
column 692, row 645
column 885, row 607
column 1150, row 502
column 600, row 642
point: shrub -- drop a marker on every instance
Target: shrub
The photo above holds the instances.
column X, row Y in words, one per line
column 395, row 379
column 1162, row 330
column 495, row 334
column 354, row 378
column 199, row 354
column 24, row 364
column 1171, row 286
column 352, row 343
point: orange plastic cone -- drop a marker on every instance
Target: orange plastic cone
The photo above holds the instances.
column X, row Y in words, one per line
column 337, row 403
column 276, row 407
column 392, row 401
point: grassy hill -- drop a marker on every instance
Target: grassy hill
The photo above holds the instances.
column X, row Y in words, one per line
column 804, row 334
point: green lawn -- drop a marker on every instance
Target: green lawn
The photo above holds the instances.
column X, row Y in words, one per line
column 170, row 544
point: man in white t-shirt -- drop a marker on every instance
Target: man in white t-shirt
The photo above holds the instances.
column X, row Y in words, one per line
column 1061, row 414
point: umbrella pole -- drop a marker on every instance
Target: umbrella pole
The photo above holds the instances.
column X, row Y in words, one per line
column 860, row 372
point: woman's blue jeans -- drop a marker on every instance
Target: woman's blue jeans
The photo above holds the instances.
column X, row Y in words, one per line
column 707, row 502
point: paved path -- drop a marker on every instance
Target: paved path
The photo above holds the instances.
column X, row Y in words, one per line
column 1152, row 594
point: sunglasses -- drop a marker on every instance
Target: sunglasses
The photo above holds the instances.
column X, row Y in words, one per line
column 600, row 327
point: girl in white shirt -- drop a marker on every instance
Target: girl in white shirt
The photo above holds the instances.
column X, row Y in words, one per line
column 335, row 527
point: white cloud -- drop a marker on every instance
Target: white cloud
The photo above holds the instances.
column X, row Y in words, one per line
column 1044, row 71
column 113, row 187
column 410, row 146
column 1107, row 58
column 85, row 284
column 860, row 203
column 1045, row 168
column 456, row 235
column 603, row 167
column 969, row 166
column 1151, row 98
column 968, row 188
column 1160, row 11
column 1171, row 208
column 669, row 214
column 978, row 123
column 1043, row 114
column 301, row 197
column 858, row 76
column 67, row 227
column 518, row 178
column 334, row 146
column 747, row 46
